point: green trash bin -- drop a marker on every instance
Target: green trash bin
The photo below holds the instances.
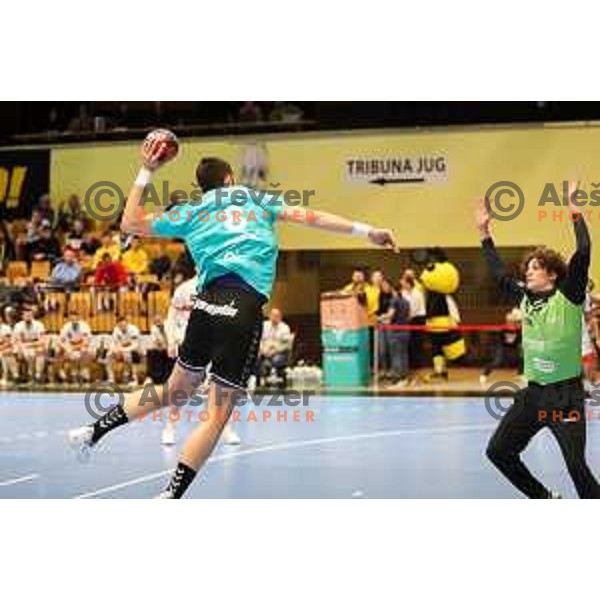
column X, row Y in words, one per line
column 345, row 357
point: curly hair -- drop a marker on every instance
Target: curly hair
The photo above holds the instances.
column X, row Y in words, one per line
column 549, row 259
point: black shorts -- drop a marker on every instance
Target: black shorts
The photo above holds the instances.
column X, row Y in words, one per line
column 224, row 331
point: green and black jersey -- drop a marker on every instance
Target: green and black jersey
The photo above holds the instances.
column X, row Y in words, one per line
column 552, row 321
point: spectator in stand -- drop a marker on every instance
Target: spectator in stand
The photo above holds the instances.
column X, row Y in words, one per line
column 29, row 336
column 46, row 211
column 410, row 290
column 74, row 236
column 24, row 294
column 83, row 120
column 89, row 244
column 397, row 341
column 122, row 119
column 111, row 273
column 372, row 291
column 368, row 293
column 74, row 349
column 110, row 247
column 184, row 267
column 504, row 348
column 275, row 347
column 161, row 265
column 67, row 272
column 7, row 249
column 47, row 247
column 70, row 212
column 135, row 259
column 250, row 112
column 357, row 285
column 54, row 125
column 32, row 233
column 124, row 350
column 158, row 363
column 384, row 353
column 7, row 350
column 285, row 112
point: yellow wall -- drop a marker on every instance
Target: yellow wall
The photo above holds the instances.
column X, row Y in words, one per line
column 436, row 213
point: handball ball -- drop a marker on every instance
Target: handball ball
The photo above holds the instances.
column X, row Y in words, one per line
column 168, row 141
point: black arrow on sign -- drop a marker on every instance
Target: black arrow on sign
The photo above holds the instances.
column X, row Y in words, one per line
column 383, row 181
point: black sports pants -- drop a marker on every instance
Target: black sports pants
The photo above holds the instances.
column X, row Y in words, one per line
column 561, row 407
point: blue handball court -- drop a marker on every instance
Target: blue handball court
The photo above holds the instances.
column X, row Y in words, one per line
column 353, row 447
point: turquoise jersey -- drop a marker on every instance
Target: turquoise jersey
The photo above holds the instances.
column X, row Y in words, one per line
column 224, row 237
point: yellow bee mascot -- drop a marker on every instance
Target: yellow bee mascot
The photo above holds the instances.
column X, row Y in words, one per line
column 441, row 279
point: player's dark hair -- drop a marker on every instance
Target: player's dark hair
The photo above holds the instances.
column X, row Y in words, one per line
column 212, row 172
column 549, row 259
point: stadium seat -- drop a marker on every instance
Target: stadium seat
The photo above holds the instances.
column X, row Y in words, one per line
column 152, row 249
column 131, row 304
column 147, row 278
column 17, row 269
column 82, row 302
column 174, row 250
column 158, row 303
column 54, row 304
column 40, row 269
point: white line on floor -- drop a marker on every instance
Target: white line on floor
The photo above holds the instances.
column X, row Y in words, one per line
column 18, row 480
column 290, row 445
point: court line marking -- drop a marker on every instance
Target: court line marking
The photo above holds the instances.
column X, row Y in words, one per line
column 288, row 446
column 19, row 480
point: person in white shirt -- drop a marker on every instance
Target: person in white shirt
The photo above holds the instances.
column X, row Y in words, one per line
column 124, row 351
column 29, row 335
column 178, row 317
column 588, row 337
column 418, row 316
column 275, row 346
column 7, row 352
column 179, row 313
column 74, row 348
column 158, row 364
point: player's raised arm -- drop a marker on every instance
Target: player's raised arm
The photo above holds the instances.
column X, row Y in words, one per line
column 574, row 286
column 508, row 285
column 336, row 224
column 156, row 151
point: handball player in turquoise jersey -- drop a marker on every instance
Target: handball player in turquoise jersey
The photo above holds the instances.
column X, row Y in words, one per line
column 551, row 300
column 232, row 239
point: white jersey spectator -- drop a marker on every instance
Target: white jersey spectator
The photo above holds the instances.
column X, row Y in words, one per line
column 28, row 332
column 75, row 332
column 29, row 337
column 124, row 351
column 275, row 346
column 277, row 335
column 128, row 336
column 5, row 332
column 74, row 349
column 7, row 355
column 587, row 346
column 179, row 312
column 158, row 337
column 416, row 299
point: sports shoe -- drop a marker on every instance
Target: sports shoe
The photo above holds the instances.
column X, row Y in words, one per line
column 166, row 495
column 230, row 437
column 168, row 435
column 81, row 438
